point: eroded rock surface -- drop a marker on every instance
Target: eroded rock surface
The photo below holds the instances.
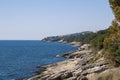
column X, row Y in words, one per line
column 78, row 67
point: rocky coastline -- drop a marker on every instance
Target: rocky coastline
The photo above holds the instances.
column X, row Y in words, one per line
column 79, row 66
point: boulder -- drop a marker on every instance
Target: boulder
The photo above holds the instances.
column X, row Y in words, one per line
column 77, row 73
column 66, row 75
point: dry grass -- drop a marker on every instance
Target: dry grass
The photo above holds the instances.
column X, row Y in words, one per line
column 111, row 74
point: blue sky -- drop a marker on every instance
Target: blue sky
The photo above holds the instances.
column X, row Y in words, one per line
column 36, row 19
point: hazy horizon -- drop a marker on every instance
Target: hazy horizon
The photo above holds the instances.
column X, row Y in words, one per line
column 36, row 19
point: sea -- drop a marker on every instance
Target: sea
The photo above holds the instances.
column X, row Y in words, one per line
column 20, row 58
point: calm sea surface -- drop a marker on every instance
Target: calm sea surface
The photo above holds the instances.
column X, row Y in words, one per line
column 18, row 59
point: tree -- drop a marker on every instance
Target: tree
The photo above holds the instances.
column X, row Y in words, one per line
column 115, row 5
column 112, row 41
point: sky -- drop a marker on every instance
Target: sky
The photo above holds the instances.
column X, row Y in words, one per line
column 36, row 19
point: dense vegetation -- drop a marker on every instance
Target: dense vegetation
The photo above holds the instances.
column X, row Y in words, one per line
column 96, row 39
column 115, row 5
column 112, row 41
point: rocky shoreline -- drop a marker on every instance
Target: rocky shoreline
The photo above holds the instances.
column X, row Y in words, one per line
column 80, row 66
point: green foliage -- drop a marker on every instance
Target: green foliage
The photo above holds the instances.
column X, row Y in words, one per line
column 108, row 40
column 112, row 40
column 83, row 37
column 97, row 41
column 69, row 38
column 115, row 5
column 112, row 44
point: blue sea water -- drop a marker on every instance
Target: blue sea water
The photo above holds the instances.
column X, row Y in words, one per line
column 18, row 59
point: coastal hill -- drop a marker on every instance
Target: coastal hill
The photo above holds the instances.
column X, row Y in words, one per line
column 65, row 37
